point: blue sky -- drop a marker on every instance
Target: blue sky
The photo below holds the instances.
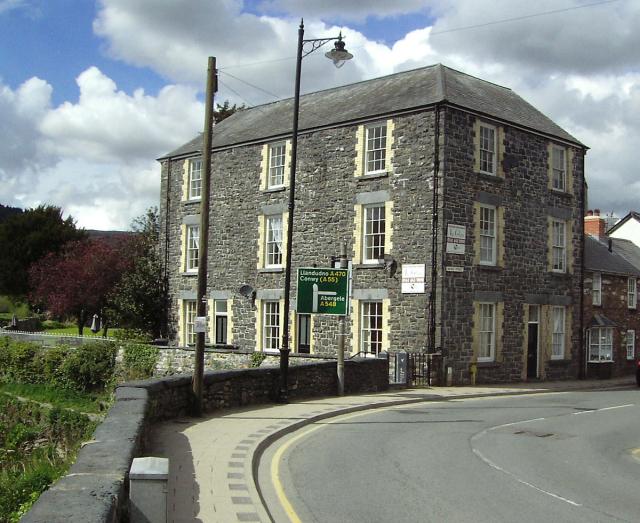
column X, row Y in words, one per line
column 92, row 92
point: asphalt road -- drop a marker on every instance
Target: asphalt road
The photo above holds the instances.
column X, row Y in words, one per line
column 550, row 457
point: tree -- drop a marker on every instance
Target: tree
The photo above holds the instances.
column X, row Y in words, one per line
column 225, row 110
column 138, row 301
column 26, row 238
column 78, row 281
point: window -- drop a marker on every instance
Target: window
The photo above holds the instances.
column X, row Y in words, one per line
column 273, row 241
column 600, row 344
column 193, row 243
column 195, row 179
column 559, row 246
column 487, row 149
column 376, row 149
column 558, row 333
column 487, row 332
column 304, row 333
column 632, row 295
column 220, row 308
column 371, row 327
column 270, row 325
column 373, row 233
column 275, row 176
column 189, row 322
column 631, row 344
column 596, row 289
column 558, row 168
column 488, row 235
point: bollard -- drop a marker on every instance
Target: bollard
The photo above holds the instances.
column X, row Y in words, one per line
column 148, row 490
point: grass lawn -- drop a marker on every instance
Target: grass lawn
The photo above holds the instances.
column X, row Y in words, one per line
column 61, row 398
column 73, row 331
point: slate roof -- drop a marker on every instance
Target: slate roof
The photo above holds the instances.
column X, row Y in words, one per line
column 598, row 258
column 628, row 250
column 370, row 99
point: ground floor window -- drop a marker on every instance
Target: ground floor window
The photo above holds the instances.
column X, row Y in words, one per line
column 304, row 333
column 220, row 322
column 557, row 342
column 631, row 344
column 271, row 325
column 600, row 344
column 189, row 322
column 371, row 327
column 487, row 349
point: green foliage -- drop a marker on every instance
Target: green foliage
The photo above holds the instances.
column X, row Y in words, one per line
column 10, row 307
column 26, row 238
column 139, row 361
column 53, row 324
column 90, row 366
column 138, row 300
column 225, row 110
column 131, row 335
column 257, row 358
column 57, row 396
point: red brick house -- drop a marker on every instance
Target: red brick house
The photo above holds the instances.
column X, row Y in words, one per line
column 611, row 319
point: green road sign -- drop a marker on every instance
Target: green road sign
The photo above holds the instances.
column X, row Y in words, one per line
column 323, row 291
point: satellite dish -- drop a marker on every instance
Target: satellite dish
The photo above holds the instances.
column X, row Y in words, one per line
column 246, row 290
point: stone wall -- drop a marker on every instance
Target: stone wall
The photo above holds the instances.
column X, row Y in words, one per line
column 96, row 487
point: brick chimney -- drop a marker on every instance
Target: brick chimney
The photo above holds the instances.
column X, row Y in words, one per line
column 594, row 224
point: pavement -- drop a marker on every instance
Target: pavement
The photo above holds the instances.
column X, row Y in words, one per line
column 213, row 460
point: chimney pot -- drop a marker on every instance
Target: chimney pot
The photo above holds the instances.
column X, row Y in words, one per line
column 596, row 212
column 589, row 212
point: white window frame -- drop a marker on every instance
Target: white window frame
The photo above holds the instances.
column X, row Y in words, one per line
column 600, row 339
column 374, row 231
column 558, row 332
column 190, row 313
column 488, row 234
column 558, row 168
column 193, row 248
column 270, row 325
column 195, row 182
column 487, row 331
column 371, row 322
column 220, row 313
column 375, row 148
column 596, row 289
column 277, row 164
column 558, row 246
column 273, row 240
column 488, row 148
column 632, row 293
column 630, row 344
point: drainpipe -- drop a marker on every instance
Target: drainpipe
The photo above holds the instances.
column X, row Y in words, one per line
column 582, row 356
column 165, row 277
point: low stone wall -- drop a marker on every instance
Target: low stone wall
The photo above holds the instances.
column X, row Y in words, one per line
column 96, row 487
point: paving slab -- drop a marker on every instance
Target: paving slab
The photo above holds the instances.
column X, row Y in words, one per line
column 213, row 459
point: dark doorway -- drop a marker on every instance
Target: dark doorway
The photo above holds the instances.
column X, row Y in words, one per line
column 532, row 342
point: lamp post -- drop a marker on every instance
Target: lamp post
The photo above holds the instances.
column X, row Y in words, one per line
column 338, row 55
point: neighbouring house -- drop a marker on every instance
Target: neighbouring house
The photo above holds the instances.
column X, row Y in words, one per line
column 611, row 317
column 457, row 178
column 628, row 228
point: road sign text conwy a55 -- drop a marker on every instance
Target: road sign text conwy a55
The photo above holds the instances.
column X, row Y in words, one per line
column 323, row 291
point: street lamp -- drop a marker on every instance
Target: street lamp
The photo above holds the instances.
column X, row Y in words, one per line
column 338, row 55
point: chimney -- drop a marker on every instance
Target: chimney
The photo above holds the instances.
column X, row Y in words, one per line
column 594, row 224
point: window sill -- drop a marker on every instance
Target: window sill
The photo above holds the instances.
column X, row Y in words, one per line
column 492, row 177
column 189, row 273
column 377, row 265
column 560, row 362
column 192, row 201
column 273, row 189
column 489, row 268
column 599, row 362
column 563, row 194
column 558, row 274
column 487, row 364
column 266, row 270
column 373, row 176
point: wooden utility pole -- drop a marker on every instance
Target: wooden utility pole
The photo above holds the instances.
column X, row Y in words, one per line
column 203, row 246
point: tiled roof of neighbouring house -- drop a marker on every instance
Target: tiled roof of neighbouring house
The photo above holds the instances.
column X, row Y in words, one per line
column 379, row 97
column 597, row 257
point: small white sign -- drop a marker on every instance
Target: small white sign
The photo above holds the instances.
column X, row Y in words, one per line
column 452, row 268
column 456, row 237
column 413, row 278
column 200, row 324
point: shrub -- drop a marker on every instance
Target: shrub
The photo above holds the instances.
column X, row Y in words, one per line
column 138, row 361
column 257, row 358
column 53, row 324
column 53, row 361
column 21, row 362
column 90, row 366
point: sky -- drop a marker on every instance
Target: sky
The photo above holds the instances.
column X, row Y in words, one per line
column 91, row 93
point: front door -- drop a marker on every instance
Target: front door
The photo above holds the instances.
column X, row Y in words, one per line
column 532, row 342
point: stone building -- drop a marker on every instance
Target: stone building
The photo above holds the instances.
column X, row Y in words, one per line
column 431, row 168
column 611, row 316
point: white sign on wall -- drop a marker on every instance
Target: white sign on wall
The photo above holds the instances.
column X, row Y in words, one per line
column 200, row 324
column 456, row 237
column 413, row 278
